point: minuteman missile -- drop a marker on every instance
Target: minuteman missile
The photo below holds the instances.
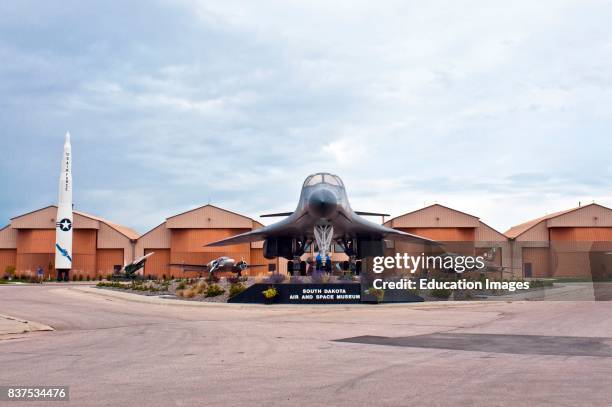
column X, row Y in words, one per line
column 63, row 226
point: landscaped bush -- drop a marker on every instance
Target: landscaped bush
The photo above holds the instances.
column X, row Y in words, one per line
column 189, row 293
column 214, row 290
column 319, row 277
column 236, row 289
column 270, row 294
column 199, row 288
column 9, row 271
column 113, row 284
column 275, row 278
column 444, row 294
column 212, row 278
column 235, row 278
column 378, row 294
column 540, row 283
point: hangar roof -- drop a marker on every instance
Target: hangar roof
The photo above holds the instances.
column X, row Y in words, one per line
column 435, row 215
column 210, row 216
column 41, row 218
column 124, row 230
column 516, row 231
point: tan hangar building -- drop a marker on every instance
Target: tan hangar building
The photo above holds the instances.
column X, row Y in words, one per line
column 181, row 239
column 99, row 246
column 575, row 243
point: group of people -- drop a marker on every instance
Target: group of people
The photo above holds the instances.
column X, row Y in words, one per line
column 320, row 265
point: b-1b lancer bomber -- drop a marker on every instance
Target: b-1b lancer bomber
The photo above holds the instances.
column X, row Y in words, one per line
column 323, row 215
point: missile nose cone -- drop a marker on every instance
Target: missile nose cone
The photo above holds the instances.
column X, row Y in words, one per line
column 323, row 203
column 67, row 137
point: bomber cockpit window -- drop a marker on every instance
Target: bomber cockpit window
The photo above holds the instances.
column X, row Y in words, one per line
column 314, row 180
column 333, row 180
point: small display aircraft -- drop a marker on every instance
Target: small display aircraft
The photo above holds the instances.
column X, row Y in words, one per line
column 128, row 271
column 223, row 263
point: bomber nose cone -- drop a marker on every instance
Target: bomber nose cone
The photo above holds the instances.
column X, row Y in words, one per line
column 323, row 203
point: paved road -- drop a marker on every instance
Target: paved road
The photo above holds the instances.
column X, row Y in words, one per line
column 114, row 352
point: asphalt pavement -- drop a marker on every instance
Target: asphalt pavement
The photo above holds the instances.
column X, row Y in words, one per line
column 113, row 351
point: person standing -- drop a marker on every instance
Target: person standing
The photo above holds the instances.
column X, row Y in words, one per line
column 319, row 264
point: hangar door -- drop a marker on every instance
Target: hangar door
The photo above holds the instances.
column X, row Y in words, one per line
column 109, row 260
column 535, row 262
column 158, row 265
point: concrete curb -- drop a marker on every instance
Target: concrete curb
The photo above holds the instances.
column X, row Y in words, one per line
column 155, row 300
column 12, row 325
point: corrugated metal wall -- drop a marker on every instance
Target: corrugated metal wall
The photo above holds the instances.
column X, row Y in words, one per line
column 434, row 216
column 209, row 217
column 258, row 258
column 109, row 238
column 28, row 263
column 45, row 219
column 538, row 233
column 443, row 234
column 157, row 265
column 84, row 252
column 35, row 248
column 194, row 240
column 8, row 238
column 36, row 241
column 589, row 215
column 8, row 257
column 538, row 257
column 188, row 246
column 485, row 233
column 590, row 234
column 107, row 259
column 158, row 237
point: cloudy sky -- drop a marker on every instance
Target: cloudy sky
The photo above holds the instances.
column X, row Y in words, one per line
column 499, row 109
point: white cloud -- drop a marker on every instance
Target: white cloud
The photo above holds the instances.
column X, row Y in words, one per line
column 498, row 109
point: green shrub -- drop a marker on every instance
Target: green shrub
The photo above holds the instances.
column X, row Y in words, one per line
column 212, row 278
column 113, row 284
column 214, row 290
column 440, row 293
column 10, row 271
column 377, row 293
column 270, row 293
column 540, row 283
column 236, row 289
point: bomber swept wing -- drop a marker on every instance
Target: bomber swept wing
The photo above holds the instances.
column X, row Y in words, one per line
column 324, row 215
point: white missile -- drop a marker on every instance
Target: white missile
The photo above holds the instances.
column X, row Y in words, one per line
column 63, row 226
